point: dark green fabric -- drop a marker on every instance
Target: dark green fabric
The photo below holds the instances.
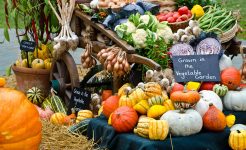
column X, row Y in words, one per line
column 106, row 137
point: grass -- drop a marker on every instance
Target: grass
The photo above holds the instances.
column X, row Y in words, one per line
column 229, row 4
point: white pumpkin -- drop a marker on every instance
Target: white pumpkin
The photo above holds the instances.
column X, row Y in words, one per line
column 238, row 127
column 183, row 123
column 208, row 97
column 225, row 62
column 235, row 100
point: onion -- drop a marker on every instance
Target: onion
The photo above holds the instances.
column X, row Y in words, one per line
column 114, row 60
column 104, row 55
column 109, row 67
column 116, row 66
column 111, row 57
column 87, row 60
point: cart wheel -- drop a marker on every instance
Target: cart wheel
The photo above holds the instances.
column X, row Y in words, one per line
column 64, row 73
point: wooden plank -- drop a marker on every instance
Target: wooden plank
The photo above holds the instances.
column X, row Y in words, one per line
column 110, row 34
column 135, row 58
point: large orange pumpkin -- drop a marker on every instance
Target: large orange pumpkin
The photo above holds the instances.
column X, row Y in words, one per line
column 124, row 119
column 214, row 119
column 110, row 105
column 20, row 126
column 106, row 94
column 231, row 77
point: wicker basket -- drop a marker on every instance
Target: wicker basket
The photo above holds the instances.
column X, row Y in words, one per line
column 228, row 35
column 180, row 25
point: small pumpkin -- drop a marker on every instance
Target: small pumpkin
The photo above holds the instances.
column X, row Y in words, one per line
column 220, row 90
column 156, row 100
column 156, row 111
column 230, row 120
column 106, row 94
column 208, row 97
column 214, row 119
column 38, row 64
column 48, row 63
column 235, row 100
column 58, row 118
column 168, row 104
column 84, row 114
column 231, row 77
column 142, row 128
column 142, row 107
column 125, row 100
column 238, row 127
column 124, row 119
column 183, row 123
column 237, row 140
column 2, row 82
column 137, row 95
column 20, row 123
column 70, row 119
column 111, row 104
column 207, row 86
column 177, row 87
column 152, row 89
column 158, row 129
column 35, row 95
column 121, row 90
column 185, row 99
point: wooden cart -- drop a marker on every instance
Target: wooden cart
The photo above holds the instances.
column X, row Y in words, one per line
column 65, row 71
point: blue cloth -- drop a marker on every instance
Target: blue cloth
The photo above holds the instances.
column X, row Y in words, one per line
column 106, row 137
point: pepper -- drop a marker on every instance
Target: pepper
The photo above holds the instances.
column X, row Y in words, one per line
column 35, row 31
column 197, row 11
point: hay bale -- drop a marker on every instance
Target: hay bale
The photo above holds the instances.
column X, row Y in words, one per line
column 59, row 138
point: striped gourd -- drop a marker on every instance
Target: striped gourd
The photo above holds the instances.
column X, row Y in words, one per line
column 80, row 128
column 47, row 103
column 220, row 90
column 142, row 128
column 152, row 89
column 57, row 104
column 35, row 95
column 158, row 129
column 84, row 114
column 142, row 107
column 156, row 100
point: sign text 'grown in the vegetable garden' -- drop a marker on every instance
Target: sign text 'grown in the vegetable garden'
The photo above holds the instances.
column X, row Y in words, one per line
column 196, row 68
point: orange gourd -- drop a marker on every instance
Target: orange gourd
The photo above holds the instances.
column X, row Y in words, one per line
column 20, row 125
column 231, row 77
column 111, row 104
column 186, row 97
column 124, row 119
column 214, row 119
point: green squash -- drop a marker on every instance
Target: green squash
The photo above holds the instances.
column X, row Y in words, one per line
column 220, row 90
column 35, row 95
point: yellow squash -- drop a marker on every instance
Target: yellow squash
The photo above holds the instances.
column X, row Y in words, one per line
column 137, row 95
column 84, row 114
column 156, row 111
column 237, row 140
column 142, row 128
column 158, row 129
column 230, row 120
column 142, row 107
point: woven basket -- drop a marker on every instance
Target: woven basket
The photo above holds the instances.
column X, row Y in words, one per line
column 228, row 35
column 180, row 25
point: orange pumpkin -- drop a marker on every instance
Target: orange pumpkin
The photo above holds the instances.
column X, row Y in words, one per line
column 2, row 82
column 110, row 105
column 231, row 77
column 124, row 119
column 177, row 87
column 20, row 126
column 214, row 119
column 185, row 99
column 106, row 94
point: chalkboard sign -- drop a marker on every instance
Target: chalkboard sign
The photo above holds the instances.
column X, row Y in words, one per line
column 80, row 100
column 28, row 46
column 196, row 68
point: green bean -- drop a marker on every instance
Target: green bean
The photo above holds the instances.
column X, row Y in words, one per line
column 221, row 23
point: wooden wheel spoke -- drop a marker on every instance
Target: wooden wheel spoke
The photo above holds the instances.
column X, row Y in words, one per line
column 61, row 68
column 68, row 85
column 56, row 75
column 68, row 93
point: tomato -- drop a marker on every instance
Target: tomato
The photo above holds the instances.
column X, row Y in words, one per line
column 176, row 15
column 189, row 14
column 161, row 18
column 183, row 10
column 183, row 17
column 170, row 19
column 169, row 14
column 179, row 20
